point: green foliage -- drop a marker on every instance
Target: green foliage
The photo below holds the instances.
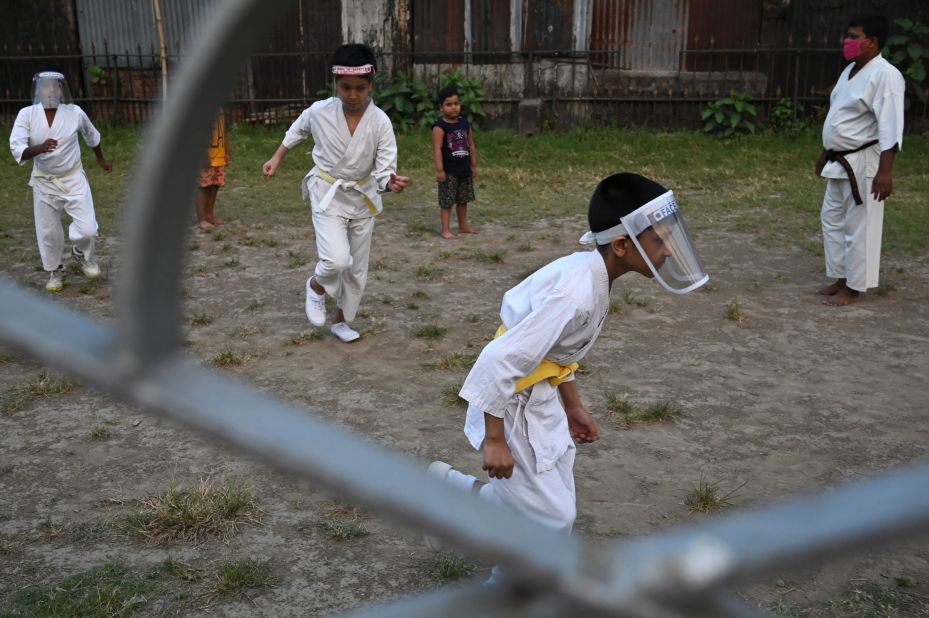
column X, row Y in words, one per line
column 784, row 119
column 729, row 116
column 908, row 51
column 97, row 75
column 410, row 103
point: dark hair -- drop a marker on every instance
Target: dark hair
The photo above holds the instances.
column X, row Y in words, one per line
column 618, row 195
column 444, row 93
column 353, row 55
column 873, row 25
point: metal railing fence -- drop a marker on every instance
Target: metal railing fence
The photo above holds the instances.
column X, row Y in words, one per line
column 683, row 572
column 573, row 86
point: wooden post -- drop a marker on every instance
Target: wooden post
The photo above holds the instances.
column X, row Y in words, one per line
column 159, row 25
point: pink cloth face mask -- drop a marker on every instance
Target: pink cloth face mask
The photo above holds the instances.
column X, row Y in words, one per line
column 851, row 48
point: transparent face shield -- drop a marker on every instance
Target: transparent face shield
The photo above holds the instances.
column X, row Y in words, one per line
column 666, row 248
column 50, row 90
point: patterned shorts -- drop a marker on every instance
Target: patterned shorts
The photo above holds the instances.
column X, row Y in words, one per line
column 456, row 190
column 213, row 177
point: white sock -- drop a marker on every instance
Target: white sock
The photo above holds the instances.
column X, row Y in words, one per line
column 464, row 482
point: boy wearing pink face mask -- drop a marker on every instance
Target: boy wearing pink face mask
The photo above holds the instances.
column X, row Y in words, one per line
column 861, row 136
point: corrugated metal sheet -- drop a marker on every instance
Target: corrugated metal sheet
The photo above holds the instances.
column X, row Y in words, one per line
column 128, row 26
column 490, row 29
column 724, row 24
column 549, row 26
column 644, row 35
column 822, row 23
column 438, row 26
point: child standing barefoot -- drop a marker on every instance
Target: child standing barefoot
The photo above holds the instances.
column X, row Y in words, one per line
column 213, row 175
column 455, row 162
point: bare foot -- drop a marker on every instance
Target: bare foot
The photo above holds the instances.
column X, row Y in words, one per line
column 845, row 296
column 447, row 235
column 205, row 226
column 217, row 221
column 466, row 229
column 836, row 287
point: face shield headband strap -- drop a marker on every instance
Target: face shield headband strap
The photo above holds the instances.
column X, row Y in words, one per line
column 364, row 69
column 604, row 237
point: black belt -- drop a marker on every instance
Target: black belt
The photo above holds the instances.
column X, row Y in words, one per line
column 839, row 157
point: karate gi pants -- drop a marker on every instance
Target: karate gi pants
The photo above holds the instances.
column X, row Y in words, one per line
column 82, row 232
column 547, row 497
column 852, row 233
column 343, row 246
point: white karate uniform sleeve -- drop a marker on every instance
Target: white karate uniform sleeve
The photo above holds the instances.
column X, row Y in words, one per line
column 88, row 131
column 385, row 162
column 19, row 136
column 298, row 131
column 492, row 381
column 888, row 110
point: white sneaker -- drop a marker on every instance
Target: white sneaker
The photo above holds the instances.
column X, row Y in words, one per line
column 88, row 267
column 315, row 306
column 344, row 332
column 438, row 469
column 90, row 270
column 55, row 280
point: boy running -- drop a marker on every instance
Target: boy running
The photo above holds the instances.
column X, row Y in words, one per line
column 355, row 157
column 549, row 323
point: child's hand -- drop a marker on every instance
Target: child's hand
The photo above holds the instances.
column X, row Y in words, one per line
column 397, row 183
column 498, row 460
column 473, row 171
column 105, row 165
column 440, row 176
column 583, row 426
column 48, row 145
column 270, row 167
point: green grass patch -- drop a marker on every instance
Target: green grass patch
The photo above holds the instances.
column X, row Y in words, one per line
column 450, row 567
column 734, row 310
column 44, row 385
column 487, row 257
column 429, row 273
column 188, row 515
column 236, row 577
column 430, row 331
column 101, row 433
column 200, row 319
column 108, row 590
column 227, row 358
column 450, row 395
column 306, row 336
column 344, row 531
column 707, row 497
column 628, row 412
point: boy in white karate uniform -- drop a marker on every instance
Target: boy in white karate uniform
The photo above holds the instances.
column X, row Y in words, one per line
column 549, row 323
column 46, row 132
column 355, row 156
column 861, row 136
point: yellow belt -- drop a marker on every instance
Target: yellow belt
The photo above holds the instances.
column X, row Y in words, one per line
column 547, row 370
column 332, row 180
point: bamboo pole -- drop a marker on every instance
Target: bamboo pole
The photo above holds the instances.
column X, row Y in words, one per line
column 159, row 25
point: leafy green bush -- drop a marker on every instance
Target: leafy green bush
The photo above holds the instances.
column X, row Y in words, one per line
column 409, row 102
column 730, row 116
column 783, row 119
column 907, row 51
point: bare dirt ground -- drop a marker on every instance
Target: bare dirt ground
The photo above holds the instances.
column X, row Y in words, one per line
column 794, row 397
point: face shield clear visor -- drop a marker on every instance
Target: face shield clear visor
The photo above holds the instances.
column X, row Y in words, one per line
column 667, row 248
column 51, row 90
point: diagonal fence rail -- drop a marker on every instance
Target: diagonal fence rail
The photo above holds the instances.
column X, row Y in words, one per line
column 683, row 572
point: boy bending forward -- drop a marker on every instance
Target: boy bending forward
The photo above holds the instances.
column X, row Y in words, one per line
column 550, row 321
